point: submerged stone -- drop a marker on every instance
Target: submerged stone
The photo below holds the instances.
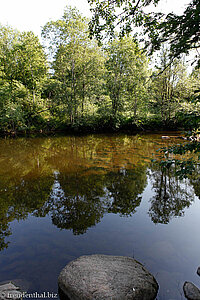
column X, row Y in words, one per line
column 198, row 271
column 9, row 291
column 106, row 277
column 191, row 291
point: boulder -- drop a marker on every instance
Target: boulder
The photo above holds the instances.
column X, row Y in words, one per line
column 198, row 271
column 191, row 291
column 106, row 277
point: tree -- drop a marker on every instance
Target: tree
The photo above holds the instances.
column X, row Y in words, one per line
column 32, row 63
column 77, row 62
column 23, row 68
column 22, row 58
column 181, row 32
column 126, row 75
column 12, row 92
column 168, row 86
column 8, row 55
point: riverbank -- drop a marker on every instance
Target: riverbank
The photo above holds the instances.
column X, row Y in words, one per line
column 103, row 126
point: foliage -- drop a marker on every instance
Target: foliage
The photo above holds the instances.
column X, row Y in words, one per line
column 77, row 63
column 73, row 84
column 186, row 166
column 23, row 68
column 129, row 15
column 167, row 87
column 126, row 75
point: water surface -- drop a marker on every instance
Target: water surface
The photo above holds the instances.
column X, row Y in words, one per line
column 63, row 197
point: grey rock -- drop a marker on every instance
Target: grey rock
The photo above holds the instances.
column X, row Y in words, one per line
column 106, row 277
column 191, row 291
column 20, row 283
column 198, row 271
column 9, row 291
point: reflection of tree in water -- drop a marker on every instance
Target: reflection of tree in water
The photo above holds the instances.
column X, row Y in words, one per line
column 4, row 231
column 77, row 202
column 125, row 188
column 195, row 180
column 18, row 198
column 171, row 197
column 74, row 201
column 27, row 185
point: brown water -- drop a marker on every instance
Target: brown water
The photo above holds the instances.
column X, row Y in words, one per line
column 62, row 197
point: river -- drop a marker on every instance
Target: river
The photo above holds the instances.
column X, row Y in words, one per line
column 67, row 196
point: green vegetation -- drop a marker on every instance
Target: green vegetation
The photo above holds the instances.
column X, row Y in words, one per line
column 175, row 95
column 72, row 84
column 181, row 32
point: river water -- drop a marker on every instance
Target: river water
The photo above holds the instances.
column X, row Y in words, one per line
column 63, row 197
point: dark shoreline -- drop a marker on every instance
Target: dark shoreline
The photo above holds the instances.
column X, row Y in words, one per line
column 86, row 131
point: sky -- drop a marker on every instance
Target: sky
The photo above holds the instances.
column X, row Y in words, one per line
column 26, row 15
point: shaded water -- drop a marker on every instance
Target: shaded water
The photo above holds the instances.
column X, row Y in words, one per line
column 63, row 197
